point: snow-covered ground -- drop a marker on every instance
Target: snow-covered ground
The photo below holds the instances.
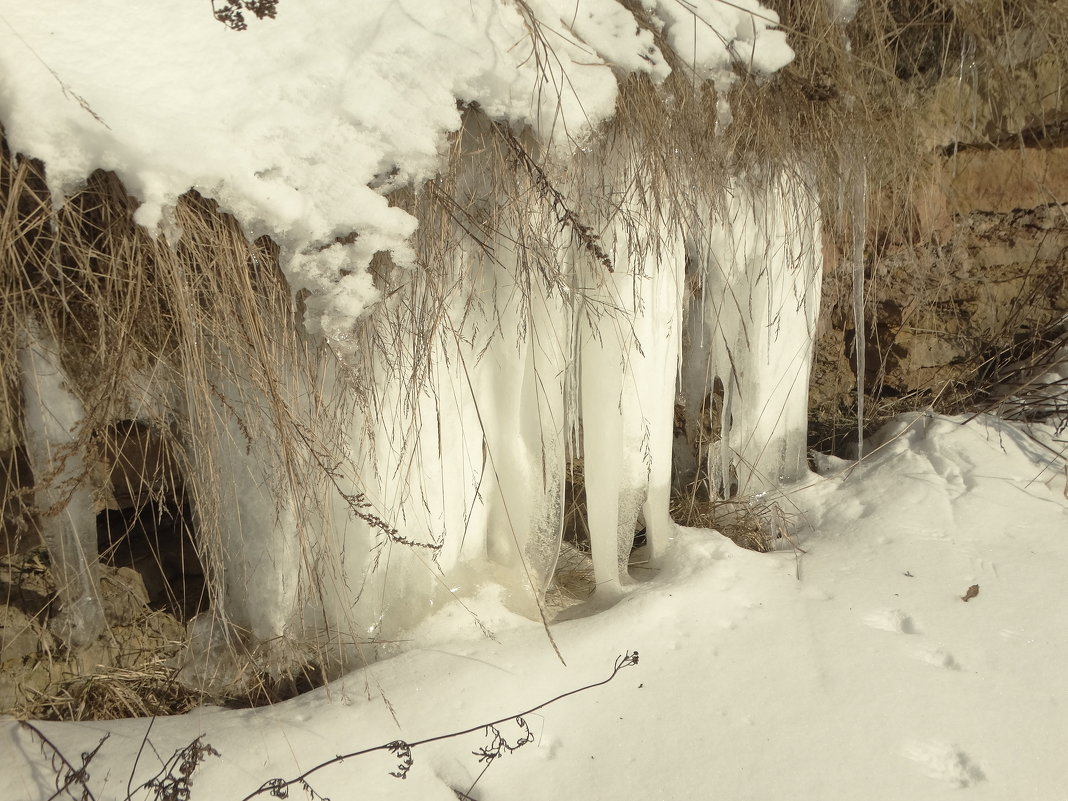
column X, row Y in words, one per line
column 860, row 668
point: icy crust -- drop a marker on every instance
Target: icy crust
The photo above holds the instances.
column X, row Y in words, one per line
column 290, row 124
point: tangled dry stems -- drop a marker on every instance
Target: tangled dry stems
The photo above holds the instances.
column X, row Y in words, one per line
column 113, row 693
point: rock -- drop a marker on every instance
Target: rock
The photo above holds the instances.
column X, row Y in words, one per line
column 20, row 683
column 157, row 636
column 20, row 636
column 123, row 593
column 941, row 314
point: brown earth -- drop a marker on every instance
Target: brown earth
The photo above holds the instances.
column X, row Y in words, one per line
column 124, row 674
column 983, row 282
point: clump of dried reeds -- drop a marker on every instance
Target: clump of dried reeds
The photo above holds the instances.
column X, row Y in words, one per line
column 755, row 523
column 573, row 580
column 115, row 692
column 1030, row 382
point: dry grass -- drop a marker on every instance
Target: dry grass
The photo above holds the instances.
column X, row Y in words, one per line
column 135, row 670
column 112, row 693
column 573, row 580
column 755, row 523
column 1030, row 382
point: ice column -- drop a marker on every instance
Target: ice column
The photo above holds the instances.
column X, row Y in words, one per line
column 52, row 416
column 520, row 399
column 654, row 372
column 248, row 527
column 418, row 459
column 751, row 332
column 629, row 322
column 612, row 480
column 468, row 457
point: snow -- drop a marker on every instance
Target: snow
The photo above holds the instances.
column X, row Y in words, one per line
column 707, row 36
column 291, row 138
column 852, row 670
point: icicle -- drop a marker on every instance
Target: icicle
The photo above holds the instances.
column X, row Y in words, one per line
column 662, row 345
column 653, row 367
column 629, row 361
column 753, row 337
column 520, row 399
column 860, row 193
column 601, row 385
column 247, row 523
column 421, row 473
column 52, row 417
column 469, row 467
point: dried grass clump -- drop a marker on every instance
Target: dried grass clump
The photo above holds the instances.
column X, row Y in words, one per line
column 751, row 522
column 1031, row 383
column 573, row 581
column 112, row 693
column 129, row 672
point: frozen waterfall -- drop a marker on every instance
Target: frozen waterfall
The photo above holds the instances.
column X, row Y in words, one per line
column 482, row 391
column 466, row 451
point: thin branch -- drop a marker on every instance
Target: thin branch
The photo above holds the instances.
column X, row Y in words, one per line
column 278, row 787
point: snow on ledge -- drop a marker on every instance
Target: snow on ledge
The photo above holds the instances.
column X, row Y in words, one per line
column 288, row 123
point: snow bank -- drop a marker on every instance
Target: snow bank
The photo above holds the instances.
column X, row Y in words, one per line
column 855, row 670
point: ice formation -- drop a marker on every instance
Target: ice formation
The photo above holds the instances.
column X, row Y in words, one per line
column 629, row 357
column 750, row 332
column 469, row 466
column 52, row 424
column 455, row 468
column 465, row 451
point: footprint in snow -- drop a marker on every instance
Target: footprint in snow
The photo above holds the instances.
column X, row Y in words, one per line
column 937, row 657
column 891, row 620
column 943, row 761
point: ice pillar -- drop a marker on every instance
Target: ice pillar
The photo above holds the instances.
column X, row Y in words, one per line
column 630, row 327
column 52, row 416
column 751, row 333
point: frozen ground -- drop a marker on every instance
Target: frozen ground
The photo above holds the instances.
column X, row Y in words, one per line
column 856, row 670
